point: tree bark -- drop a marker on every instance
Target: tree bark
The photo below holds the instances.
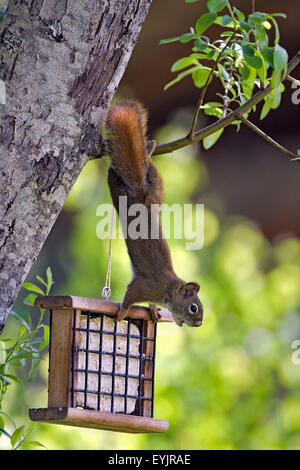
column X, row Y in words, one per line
column 61, row 62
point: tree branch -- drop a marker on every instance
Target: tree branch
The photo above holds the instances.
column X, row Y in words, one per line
column 170, row 147
column 226, row 121
column 266, row 137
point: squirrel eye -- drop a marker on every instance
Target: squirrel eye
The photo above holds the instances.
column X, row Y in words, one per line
column 193, row 308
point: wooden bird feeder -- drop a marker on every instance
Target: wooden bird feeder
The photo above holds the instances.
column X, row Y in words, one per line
column 101, row 372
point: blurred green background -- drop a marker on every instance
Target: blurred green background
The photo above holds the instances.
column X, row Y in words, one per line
column 230, row 384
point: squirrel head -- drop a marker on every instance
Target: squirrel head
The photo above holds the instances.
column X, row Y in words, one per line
column 185, row 305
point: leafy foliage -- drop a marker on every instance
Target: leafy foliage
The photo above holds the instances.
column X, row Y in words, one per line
column 25, row 350
column 246, row 57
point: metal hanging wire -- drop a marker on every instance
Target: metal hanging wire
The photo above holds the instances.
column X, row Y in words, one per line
column 106, row 291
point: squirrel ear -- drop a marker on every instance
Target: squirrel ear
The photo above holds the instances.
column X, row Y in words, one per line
column 150, row 147
column 189, row 289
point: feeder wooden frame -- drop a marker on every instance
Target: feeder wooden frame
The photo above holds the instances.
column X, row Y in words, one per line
column 59, row 409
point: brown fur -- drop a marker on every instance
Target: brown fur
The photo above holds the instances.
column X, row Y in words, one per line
column 133, row 174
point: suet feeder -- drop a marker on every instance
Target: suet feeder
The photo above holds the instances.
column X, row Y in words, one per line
column 101, row 372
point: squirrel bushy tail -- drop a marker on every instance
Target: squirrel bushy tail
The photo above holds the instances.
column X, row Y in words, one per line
column 126, row 127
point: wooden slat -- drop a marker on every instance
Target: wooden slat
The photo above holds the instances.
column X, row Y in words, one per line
column 99, row 420
column 62, row 302
column 60, row 358
column 148, row 368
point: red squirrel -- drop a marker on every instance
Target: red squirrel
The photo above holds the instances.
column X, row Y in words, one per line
column 133, row 174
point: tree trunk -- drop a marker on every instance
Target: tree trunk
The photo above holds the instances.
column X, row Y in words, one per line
column 61, row 62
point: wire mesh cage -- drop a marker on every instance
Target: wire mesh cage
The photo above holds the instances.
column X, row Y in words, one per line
column 113, row 364
column 101, row 372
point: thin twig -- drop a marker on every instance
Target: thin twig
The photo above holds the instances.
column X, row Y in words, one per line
column 253, row 6
column 226, row 91
column 293, row 80
column 204, row 89
column 266, row 137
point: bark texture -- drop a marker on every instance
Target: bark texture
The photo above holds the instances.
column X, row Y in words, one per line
column 61, row 62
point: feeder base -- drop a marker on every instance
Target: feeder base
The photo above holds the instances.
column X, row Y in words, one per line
column 99, row 420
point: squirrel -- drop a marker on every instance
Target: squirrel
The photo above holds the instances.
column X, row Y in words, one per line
column 133, row 174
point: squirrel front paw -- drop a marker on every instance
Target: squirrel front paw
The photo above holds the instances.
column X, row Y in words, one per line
column 154, row 313
column 121, row 314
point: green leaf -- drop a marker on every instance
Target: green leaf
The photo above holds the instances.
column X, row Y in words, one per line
column 201, row 45
column 46, row 338
column 21, row 356
column 213, row 109
column 2, row 431
column 30, row 299
column 209, row 141
column 22, row 331
column 183, row 63
column 15, row 378
column 23, row 317
column 268, row 53
column 41, row 280
column 180, row 77
column 280, row 15
column 261, row 35
column 187, row 37
column 33, row 369
column 204, row 22
column 250, row 57
column 239, row 13
column 229, row 24
column 4, row 379
column 277, row 33
column 280, row 58
column 215, row 6
column 191, row 1
column 167, row 41
column 262, row 71
column 29, row 430
column 200, row 76
column 2, row 424
column 33, row 288
column 2, row 353
column 8, row 416
column 276, row 96
column 226, row 20
column 49, row 277
column 245, row 26
column 256, row 18
column 265, row 109
column 34, row 443
column 275, row 78
column 17, row 434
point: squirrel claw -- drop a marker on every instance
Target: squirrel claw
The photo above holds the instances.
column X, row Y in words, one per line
column 154, row 313
column 120, row 315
